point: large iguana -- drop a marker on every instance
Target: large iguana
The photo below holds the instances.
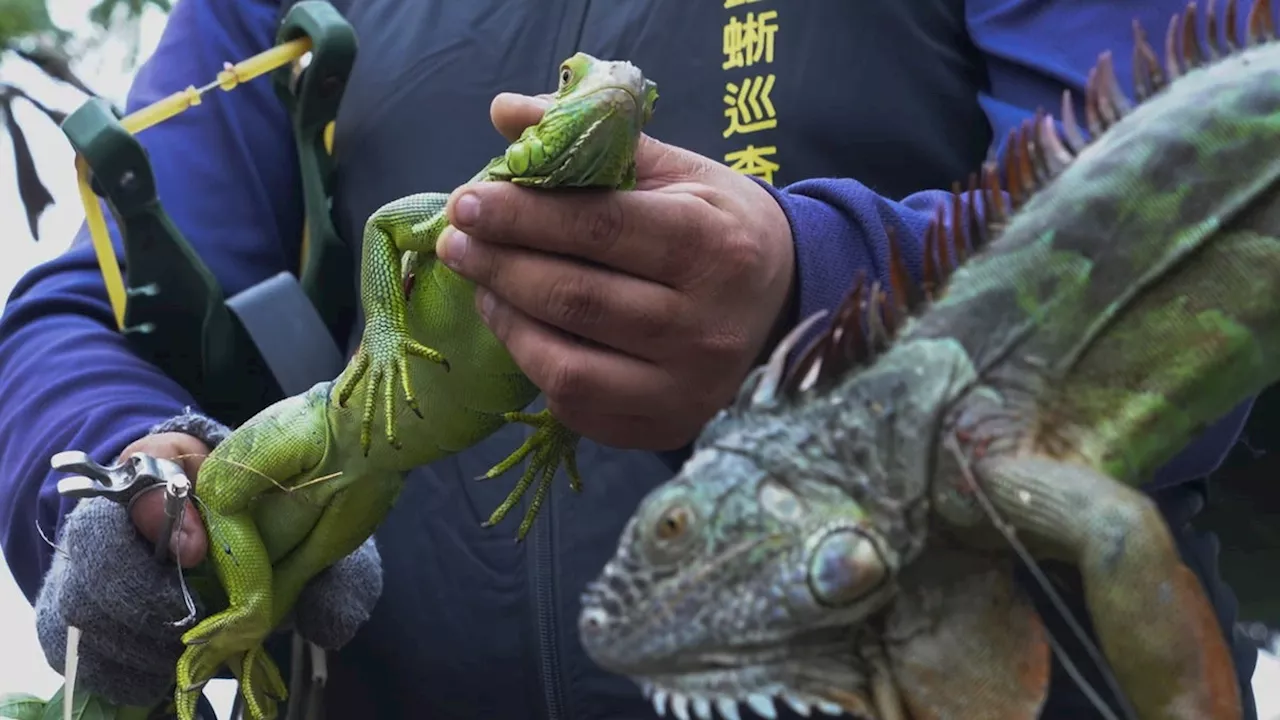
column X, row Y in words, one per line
column 302, row 484
column 1129, row 300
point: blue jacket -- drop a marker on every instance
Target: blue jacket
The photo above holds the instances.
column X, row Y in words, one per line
column 903, row 96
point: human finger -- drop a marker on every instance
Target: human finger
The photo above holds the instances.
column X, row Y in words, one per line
column 665, row 237
column 189, row 542
column 574, row 375
column 628, row 314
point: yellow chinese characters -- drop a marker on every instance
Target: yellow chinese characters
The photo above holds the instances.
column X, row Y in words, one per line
column 748, row 42
column 749, row 107
column 753, row 160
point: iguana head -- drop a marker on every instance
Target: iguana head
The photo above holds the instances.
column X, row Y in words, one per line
column 588, row 135
column 744, row 578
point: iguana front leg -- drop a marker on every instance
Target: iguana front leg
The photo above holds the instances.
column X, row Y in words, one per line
column 1151, row 616
column 408, row 224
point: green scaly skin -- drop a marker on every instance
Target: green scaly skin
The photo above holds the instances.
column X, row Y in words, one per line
column 1126, row 305
column 303, row 483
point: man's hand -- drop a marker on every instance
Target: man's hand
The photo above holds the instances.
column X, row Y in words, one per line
column 638, row 314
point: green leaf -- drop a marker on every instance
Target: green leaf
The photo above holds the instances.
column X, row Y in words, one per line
column 21, row 706
column 85, row 706
column 19, row 18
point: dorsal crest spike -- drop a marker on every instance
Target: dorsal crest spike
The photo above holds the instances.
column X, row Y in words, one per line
column 843, row 346
column 1261, row 28
column 1189, row 44
column 1172, row 65
column 1213, row 47
column 1147, row 78
column 1230, row 28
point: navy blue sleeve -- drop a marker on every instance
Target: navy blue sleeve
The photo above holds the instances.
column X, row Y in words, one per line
column 1033, row 49
column 227, row 173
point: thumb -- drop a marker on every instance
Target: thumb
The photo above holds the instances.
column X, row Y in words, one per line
column 511, row 113
column 189, row 543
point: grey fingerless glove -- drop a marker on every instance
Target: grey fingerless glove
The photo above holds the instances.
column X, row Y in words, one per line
column 105, row 581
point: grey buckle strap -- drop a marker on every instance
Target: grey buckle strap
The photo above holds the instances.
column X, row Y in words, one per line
column 290, row 335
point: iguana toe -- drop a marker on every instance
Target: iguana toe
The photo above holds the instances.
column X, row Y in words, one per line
column 186, row 701
column 261, row 684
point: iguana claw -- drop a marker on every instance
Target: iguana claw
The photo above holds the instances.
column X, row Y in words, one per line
column 383, row 357
column 551, row 445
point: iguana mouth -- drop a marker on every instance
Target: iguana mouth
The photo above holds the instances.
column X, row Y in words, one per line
column 818, row 670
column 696, row 694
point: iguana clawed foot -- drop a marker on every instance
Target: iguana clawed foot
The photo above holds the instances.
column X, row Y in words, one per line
column 261, row 684
column 217, row 640
column 551, row 444
column 383, row 357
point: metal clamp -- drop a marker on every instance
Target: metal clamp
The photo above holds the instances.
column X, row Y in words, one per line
column 125, row 482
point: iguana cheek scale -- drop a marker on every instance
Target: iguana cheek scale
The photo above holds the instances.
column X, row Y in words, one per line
column 850, row 521
column 304, row 482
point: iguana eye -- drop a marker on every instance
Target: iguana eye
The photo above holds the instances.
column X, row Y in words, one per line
column 672, row 523
column 669, row 532
column 566, row 76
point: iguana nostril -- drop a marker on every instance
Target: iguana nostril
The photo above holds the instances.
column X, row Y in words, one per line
column 593, row 620
column 844, row 568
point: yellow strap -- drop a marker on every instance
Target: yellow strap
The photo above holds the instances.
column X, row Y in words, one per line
column 306, row 223
column 154, row 114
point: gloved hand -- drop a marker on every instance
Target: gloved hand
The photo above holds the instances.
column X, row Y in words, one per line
column 105, row 581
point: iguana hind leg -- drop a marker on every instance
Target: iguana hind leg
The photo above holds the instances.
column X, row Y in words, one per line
column 348, row 520
column 1151, row 616
column 272, row 452
column 242, row 564
column 550, row 445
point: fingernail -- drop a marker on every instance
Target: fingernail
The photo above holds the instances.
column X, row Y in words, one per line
column 487, row 303
column 466, row 209
column 452, row 247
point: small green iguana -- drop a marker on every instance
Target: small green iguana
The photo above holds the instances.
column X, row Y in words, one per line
column 1129, row 300
column 301, row 484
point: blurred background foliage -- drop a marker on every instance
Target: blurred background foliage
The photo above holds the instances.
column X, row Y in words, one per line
column 29, row 34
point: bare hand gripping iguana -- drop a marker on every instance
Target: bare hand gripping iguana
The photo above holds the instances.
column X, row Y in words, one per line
column 303, row 483
column 1128, row 301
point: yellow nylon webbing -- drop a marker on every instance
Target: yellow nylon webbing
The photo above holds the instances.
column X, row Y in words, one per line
column 158, row 112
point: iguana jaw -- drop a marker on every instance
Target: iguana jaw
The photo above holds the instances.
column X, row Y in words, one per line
column 815, row 672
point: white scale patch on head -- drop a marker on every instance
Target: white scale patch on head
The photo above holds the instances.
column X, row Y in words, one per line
column 699, row 462
column 781, row 502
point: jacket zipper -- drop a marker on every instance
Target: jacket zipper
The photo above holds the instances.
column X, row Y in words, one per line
column 543, row 547
column 545, row 606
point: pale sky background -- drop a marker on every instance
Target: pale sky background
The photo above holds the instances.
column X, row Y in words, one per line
column 22, row 664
